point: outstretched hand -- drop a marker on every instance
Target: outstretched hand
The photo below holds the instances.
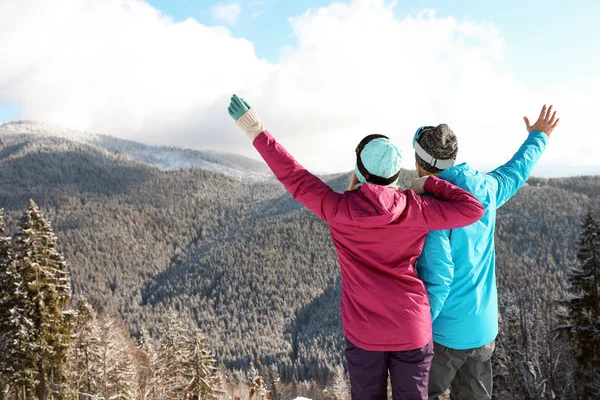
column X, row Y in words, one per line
column 546, row 122
column 237, row 107
column 245, row 117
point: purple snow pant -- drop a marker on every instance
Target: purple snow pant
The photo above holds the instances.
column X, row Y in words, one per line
column 408, row 370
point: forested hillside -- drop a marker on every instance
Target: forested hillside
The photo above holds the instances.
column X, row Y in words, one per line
column 240, row 258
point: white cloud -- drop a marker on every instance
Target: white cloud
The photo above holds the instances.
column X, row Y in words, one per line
column 228, row 13
column 120, row 67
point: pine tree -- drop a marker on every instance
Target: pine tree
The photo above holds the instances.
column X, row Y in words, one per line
column 145, row 343
column 49, row 289
column 584, row 310
column 258, row 388
column 252, row 375
column 125, row 375
column 274, row 382
column 173, row 353
column 340, row 388
column 117, row 377
column 17, row 342
column 6, row 288
column 201, row 370
column 84, row 356
column 150, row 377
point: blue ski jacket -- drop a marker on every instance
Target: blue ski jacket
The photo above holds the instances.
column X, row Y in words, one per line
column 458, row 265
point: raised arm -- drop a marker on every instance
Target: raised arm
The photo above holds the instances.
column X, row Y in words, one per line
column 309, row 190
column 511, row 176
column 452, row 206
column 436, row 268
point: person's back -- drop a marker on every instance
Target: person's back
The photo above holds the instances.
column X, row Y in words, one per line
column 458, row 269
column 467, row 317
column 378, row 233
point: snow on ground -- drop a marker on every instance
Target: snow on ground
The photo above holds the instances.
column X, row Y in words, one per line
column 48, row 130
column 165, row 158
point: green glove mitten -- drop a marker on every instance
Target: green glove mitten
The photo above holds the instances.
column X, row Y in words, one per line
column 237, row 107
column 245, row 117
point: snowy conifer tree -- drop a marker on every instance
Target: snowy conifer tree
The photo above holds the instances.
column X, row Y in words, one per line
column 150, row 377
column 201, row 370
column 145, row 343
column 49, row 289
column 117, row 376
column 252, row 375
column 258, row 388
column 274, row 382
column 84, row 355
column 125, row 376
column 172, row 356
column 584, row 310
column 17, row 341
column 340, row 387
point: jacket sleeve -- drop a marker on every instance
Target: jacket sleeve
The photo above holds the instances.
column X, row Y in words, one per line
column 436, row 268
column 309, row 190
column 451, row 208
column 512, row 176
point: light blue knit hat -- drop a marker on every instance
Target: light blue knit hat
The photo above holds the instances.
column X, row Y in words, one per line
column 380, row 157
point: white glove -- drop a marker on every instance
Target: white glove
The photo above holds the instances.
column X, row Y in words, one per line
column 418, row 184
column 251, row 124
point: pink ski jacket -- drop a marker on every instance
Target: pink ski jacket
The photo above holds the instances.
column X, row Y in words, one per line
column 378, row 233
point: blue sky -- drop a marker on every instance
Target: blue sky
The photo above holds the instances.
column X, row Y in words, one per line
column 161, row 72
column 8, row 112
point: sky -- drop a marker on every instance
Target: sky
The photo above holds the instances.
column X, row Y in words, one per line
column 320, row 74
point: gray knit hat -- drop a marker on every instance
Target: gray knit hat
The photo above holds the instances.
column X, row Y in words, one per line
column 440, row 143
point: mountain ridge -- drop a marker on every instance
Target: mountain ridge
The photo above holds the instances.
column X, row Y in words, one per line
column 163, row 157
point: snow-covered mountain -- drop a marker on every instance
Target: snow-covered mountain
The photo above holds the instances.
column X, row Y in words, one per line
column 17, row 134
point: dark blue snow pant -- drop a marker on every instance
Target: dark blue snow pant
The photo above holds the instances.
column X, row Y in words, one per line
column 408, row 371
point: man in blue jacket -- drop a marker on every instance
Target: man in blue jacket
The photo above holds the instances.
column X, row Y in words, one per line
column 458, row 266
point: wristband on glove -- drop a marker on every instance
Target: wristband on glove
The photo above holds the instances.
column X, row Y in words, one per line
column 251, row 124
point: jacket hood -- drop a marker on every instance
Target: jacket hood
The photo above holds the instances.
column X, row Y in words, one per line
column 374, row 205
column 469, row 179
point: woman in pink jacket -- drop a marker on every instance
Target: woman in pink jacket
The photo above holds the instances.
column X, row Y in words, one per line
column 378, row 232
